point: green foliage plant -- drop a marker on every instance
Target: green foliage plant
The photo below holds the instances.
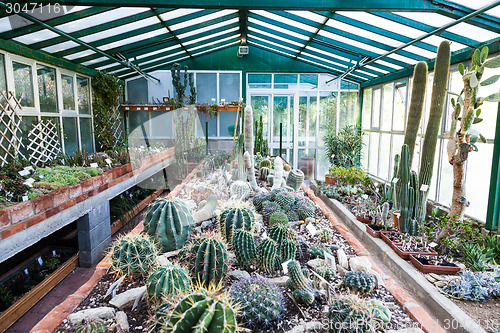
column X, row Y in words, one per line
column 344, row 149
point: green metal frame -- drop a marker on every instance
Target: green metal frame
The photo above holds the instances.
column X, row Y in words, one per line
column 493, row 214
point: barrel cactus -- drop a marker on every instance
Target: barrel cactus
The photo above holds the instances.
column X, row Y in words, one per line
column 207, row 258
column 325, row 271
column 133, row 255
column 263, row 173
column 96, row 326
column 170, row 222
column 302, row 287
column 240, row 189
column 318, row 251
column 359, row 281
column 295, row 179
column 267, row 254
column 305, row 210
column 351, row 314
column 284, row 198
column 325, row 235
column 268, row 208
column 205, row 310
column 265, row 163
column 167, row 282
column 279, row 232
column 244, row 248
column 288, row 250
column 292, row 215
column 234, row 217
column 278, row 218
column 261, row 300
column 259, row 199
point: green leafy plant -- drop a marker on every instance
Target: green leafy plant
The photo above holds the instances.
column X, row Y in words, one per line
column 344, row 148
column 477, row 257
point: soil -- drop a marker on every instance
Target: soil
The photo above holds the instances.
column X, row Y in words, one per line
column 485, row 314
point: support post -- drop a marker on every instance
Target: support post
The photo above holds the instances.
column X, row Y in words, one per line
column 94, row 235
column 494, row 195
column 281, row 138
column 206, row 136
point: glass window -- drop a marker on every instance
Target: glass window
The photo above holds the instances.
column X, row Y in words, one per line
column 137, row 91
column 303, row 105
column 229, row 87
column 367, row 108
column 23, row 83
column 55, row 120
column 86, row 134
column 46, row 77
column 308, row 81
column 206, row 87
column 373, row 153
column 313, row 116
column 387, row 107
column 212, row 124
column 348, row 85
column 161, row 124
column 226, row 122
column 398, row 118
column 136, row 119
column 259, row 80
column 327, row 114
column 83, row 89
column 365, row 151
column 376, row 109
column 3, row 80
column 260, row 106
column 285, row 81
column 384, row 155
column 68, row 92
column 26, row 126
column 70, row 130
column 348, row 110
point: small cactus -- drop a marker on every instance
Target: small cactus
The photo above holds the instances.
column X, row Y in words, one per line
column 267, row 254
column 287, row 167
column 133, row 255
column 284, row 198
column 351, row 314
column 295, row 179
column 301, row 286
column 325, row 235
column 232, row 218
column 240, row 189
column 325, row 271
column 292, row 215
column 288, row 250
column 259, row 199
column 359, row 281
column 279, row 232
column 166, row 282
column 318, row 251
column 268, row 208
column 265, row 163
column 244, row 248
column 263, row 173
column 278, row 218
column 91, row 327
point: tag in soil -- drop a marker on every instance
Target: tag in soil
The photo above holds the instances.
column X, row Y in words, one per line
column 24, row 173
column 424, row 187
column 40, row 261
column 395, row 180
column 26, row 272
column 108, row 161
column 312, row 230
column 329, row 259
column 25, row 198
column 29, row 168
column 264, row 235
column 364, row 196
column 432, row 244
column 53, row 252
column 94, row 165
column 285, row 266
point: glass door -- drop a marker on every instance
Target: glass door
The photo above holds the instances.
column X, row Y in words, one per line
column 283, row 116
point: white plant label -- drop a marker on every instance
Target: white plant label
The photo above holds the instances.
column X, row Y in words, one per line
column 40, row 261
column 312, row 230
column 108, row 161
column 395, row 180
column 24, row 173
column 433, row 245
column 53, row 252
column 329, row 259
column 365, row 196
column 25, row 198
column 94, row 165
column 41, row 176
column 285, row 266
column 29, row 168
column 264, row 235
column 26, row 272
column 424, row 187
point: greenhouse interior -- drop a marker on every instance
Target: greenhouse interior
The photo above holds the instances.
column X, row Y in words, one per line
column 252, row 166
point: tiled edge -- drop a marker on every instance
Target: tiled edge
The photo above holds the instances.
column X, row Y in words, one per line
column 415, row 311
column 55, row 317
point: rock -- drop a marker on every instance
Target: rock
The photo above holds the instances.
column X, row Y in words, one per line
column 360, row 264
column 280, row 281
column 342, row 259
column 163, row 260
column 407, row 330
column 315, row 262
column 430, row 278
column 206, row 224
column 104, row 312
column 122, row 322
column 258, row 227
column 441, row 284
column 197, row 230
column 341, row 270
column 307, row 327
column 127, row 298
column 239, row 275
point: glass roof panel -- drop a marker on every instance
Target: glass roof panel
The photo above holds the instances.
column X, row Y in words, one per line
column 133, row 39
column 476, row 4
column 383, row 71
column 213, row 42
column 79, row 54
column 74, row 9
column 121, row 29
column 294, row 51
column 207, row 28
column 275, row 37
column 94, row 61
column 284, row 20
column 434, row 19
column 95, row 20
column 312, row 48
column 436, row 40
column 216, row 48
column 387, row 64
column 202, row 19
column 178, row 13
column 107, row 66
column 473, row 32
column 276, row 28
column 37, row 36
column 402, row 58
column 60, row 47
column 173, row 47
column 210, row 36
column 5, row 24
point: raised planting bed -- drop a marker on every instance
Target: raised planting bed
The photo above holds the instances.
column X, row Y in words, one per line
column 23, row 286
column 405, row 250
column 433, row 264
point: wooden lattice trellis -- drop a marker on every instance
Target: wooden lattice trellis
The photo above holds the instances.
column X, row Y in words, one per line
column 10, row 131
column 115, row 123
column 44, row 143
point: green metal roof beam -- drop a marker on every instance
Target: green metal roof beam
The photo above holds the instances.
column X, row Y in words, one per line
column 243, row 19
column 314, row 34
column 54, row 22
column 427, row 28
column 166, row 26
column 134, row 49
column 95, row 29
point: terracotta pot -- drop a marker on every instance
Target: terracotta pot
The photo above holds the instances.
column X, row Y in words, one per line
column 449, row 270
column 364, row 219
column 397, row 215
column 374, row 230
column 406, row 255
column 330, row 181
column 383, row 235
column 306, row 164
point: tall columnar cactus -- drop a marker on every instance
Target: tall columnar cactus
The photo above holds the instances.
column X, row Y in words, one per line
column 261, row 300
column 232, row 218
column 244, row 248
column 359, row 281
column 248, row 130
column 133, row 255
column 267, row 254
column 301, row 286
column 207, row 258
column 406, row 197
column 205, row 310
column 207, row 211
column 167, row 282
column 179, row 85
column 170, row 222
column 295, row 179
column 385, row 212
column 240, row 190
column 438, row 99
column 279, row 232
column 278, row 173
column 288, row 250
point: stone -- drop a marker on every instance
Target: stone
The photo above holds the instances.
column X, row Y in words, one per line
column 341, row 270
column 430, row 278
column 163, row 260
column 360, row 264
column 407, row 330
column 197, row 230
column 307, row 327
column 206, row 224
column 342, row 259
column 315, row 262
column 239, row 275
column 104, row 313
column 122, row 321
column 127, row 298
column 280, row 281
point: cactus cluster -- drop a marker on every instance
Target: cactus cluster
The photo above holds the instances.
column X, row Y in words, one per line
column 244, row 248
column 317, row 251
column 325, row 271
column 295, row 179
column 234, row 217
column 261, row 300
column 207, row 258
column 240, row 190
column 302, row 287
column 278, row 218
column 133, row 255
column 269, row 208
column 167, row 282
column 360, row 282
column 284, row 199
column 259, row 199
column 325, row 235
column 263, row 173
column 170, row 222
column 91, row 327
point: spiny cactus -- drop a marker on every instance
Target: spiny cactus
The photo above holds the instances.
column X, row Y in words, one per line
column 91, row 327
column 288, row 250
column 292, row 215
column 284, row 198
column 166, row 282
column 261, row 300
column 207, row 211
column 263, row 173
column 267, row 254
column 325, row 235
column 265, row 163
column 234, row 217
column 325, row 271
column 305, row 207
column 295, row 179
column 406, row 192
column 240, row 189
column 249, row 145
column 278, row 233
column 380, row 313
column 170, row 222
column 133, row 255
column 278, row 218
column 301, row 286
column 259, row 199
column 244, row 248
column 207, row 258
column 268, row 208
column 278, row 173
column 205, row 310
column 317, row 251
column 385, row 212
column 359, row 281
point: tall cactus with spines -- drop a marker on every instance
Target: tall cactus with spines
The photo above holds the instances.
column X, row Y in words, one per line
column 295, row 179
column 170, row 222
column 406, row 197
column 167, row 282
column 301, row 286
column 278, row 173
column 205, row 310
column 179, row 85
column 248, row 131
column 244, row 248
column 278, row 218
column 279, row 232
column 133, row 255
column 288, row 250
column 267, row 254
column 207, row 258
column 232, row 218
column 385, row 212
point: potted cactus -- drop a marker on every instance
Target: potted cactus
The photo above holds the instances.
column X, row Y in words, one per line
column 434, row 264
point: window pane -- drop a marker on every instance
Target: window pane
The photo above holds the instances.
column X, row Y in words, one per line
column 348, row 85
column 23, row 84
column 313, row 116
column 161, row 124
column 86, row 134
column 376, row 109
column 229, row 87
column 308, row 81
column 70, row 130
column 212, row 124
column 302, row 121
column 260, row 106
column 137, row 91
column 373, row 152
column 398, row 120
column 226, row 122
column 55, row 120
column 367, row 108
column 285, row 81
column 47, row 88
column 26, row 126
column 206, row 87
column 327, row 114
column 68, row 92
column 82, row 86
column 384, row 155
column 259, row 80
column 364, row 152
column 348, row 110
column 3, row 80
column 136, row 119
column 387, row 107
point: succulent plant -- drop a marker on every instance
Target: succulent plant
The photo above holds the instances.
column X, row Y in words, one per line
column 325, row 271
column 268, row 208
column 477, row 287
column 267, row 254
column 133, row 255
column 207, row 258
column 234, row 217
column 325, row 235
column 261, row 300
column 380, row 313
column 278, row 173
column 168, row 281
column 292, row 215
column 359, row 281
column 259, row 199
column 91, row 327
column 302, row 287
column 240, row 189
column 265, row 163
column 295, row 179
column 207, row 310
column 207, row 211
column 278, row 233
column 284, row 198
column 244, row 248
column 278, row 218
column 170, row 222
column 317, row 251
column 263, row 173
column 305, row 207
column 288, row 250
